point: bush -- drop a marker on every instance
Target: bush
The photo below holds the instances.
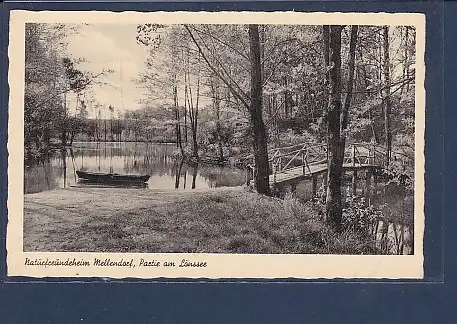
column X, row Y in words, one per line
column 359, row 217
column 317, row 237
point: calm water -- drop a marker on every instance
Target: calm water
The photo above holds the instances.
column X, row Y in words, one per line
column 59, row 171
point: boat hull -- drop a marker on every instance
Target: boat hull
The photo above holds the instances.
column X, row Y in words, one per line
column 111, row 177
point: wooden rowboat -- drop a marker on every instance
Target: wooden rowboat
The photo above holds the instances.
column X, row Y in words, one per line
column 112, row 177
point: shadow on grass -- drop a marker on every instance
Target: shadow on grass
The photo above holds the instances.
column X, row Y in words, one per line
column 214, row 222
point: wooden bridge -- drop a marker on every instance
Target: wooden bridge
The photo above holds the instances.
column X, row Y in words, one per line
column 293, row 164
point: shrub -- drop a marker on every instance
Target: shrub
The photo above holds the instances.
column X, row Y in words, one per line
column 359, row 217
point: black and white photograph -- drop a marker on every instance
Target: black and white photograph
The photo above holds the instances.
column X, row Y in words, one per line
column 157, row 144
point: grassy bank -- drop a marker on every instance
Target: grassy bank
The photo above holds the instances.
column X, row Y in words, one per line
column 229, row 220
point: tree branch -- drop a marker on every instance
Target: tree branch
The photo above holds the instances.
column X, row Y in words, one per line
column 222, row 42
column 232, row 90
column 224, row 70
column 80, row 88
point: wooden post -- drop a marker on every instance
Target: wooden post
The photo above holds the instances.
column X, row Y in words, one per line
column 368, row 186
column 293, row 187
column 373, row 154
column 354, row 182
column 253, row 173
column 353, row 154
column 314, row 177
column 274, row 173
column 249, row 174
column 325, row 176
column 375, row 183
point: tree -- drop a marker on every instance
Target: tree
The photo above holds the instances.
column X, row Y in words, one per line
column 258, row 127
column 51, row 74
column 215, row 93
column 252, row 102
column 43, row 78
column 335, row 151
column 177, row 116
column 77, row 82
column 337, row 118
column 387, row 100
column 192, row 106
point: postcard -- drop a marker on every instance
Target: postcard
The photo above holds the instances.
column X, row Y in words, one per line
column 233, row 145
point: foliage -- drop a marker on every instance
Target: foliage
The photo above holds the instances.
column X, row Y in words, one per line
column 50, row 74
column 295, row 93
column 358, row 216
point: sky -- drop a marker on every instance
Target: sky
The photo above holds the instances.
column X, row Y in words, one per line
column 114, row 47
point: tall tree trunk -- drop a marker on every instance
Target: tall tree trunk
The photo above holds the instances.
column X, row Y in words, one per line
column 334, row 140
column 72, row 136
column 178, row 118
column 96, row 128
column 350, row 83
column 367, row 95
column 387, row 103
column 193, row 109
column 193, row 116
column 63, row 136
column 405, row 61
column 64, row 166
column 185, row 115
column 178, row 174
column 119, row 131
column 261, row 177
column 195, row 121
column 275, row 121
column 326, row 51
column 65, row 121
column 217, row 110
column 286, row 98
column 111, row 124
column 194, row 175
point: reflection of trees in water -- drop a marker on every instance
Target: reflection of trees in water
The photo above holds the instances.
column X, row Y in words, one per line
column 214, row 176
column 222, row 176
column 149, row 159
column 67, row 167
column 63, row 158
column 46, row 174
column 178, row 175
column 41, row 176
column 60, row 168
column 180, row 170
column 393, row 227
column 135, row 158
column 194, row 175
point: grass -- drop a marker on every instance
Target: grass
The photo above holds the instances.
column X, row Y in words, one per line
column 225, row 220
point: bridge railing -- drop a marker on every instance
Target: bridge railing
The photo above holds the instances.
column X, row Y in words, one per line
column 373, row 154
column 306, row 155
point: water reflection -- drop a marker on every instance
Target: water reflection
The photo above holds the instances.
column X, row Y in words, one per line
column 58, row 170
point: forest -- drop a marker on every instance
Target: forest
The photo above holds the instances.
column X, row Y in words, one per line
column 221, row 92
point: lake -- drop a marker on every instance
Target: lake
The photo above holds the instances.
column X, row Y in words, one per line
column 156, row 160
